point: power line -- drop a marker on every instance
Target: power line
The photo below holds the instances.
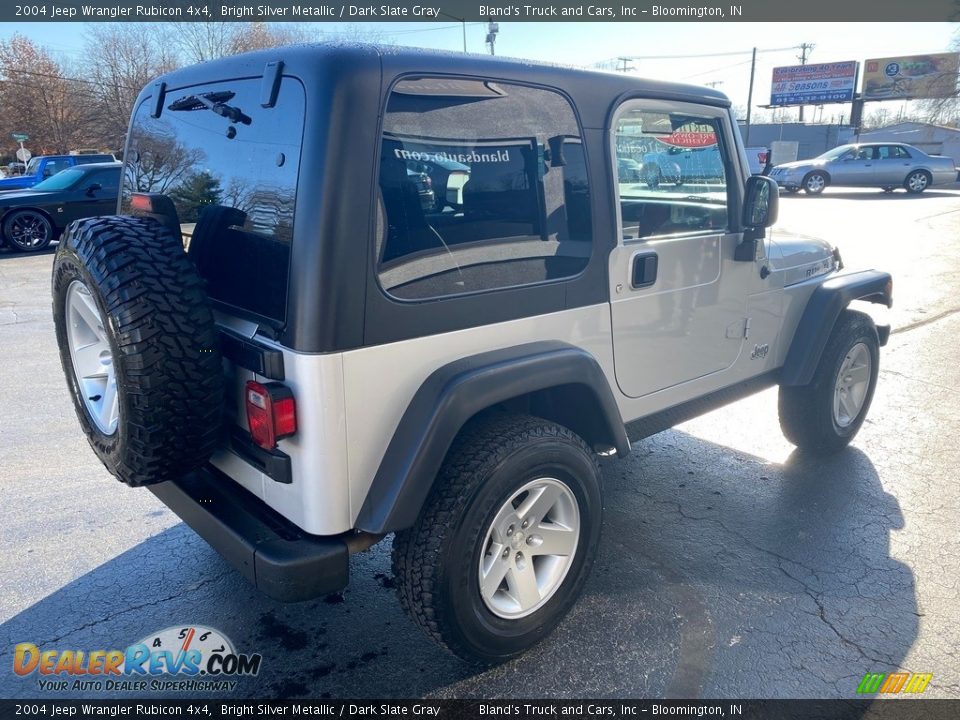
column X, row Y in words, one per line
column 699, row 55
column 64, row 78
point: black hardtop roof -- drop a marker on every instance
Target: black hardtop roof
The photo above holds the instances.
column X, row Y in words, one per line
column 302, row 59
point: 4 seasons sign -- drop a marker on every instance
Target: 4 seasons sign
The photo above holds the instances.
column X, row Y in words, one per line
column 813, row 84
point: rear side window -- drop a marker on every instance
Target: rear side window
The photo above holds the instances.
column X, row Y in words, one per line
column 482, row 186
column 230, row 168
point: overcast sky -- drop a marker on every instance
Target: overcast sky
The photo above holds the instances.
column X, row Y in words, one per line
column 586, row 43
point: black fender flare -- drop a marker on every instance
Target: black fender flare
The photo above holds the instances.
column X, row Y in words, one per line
column 824, row 307
column 456, row 392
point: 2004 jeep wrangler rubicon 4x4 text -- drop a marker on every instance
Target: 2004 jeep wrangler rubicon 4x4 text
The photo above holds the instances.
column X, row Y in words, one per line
column 354, row 292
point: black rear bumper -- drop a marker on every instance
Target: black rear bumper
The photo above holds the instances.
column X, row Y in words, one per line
column 282, row 560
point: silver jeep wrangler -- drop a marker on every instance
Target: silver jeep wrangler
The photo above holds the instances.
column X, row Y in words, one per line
column 354, row 292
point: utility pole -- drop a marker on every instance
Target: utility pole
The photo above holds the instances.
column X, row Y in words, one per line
column 625, row 67
column 802, row 57
column 715, row 83
column 753, row 69
column 492, row 30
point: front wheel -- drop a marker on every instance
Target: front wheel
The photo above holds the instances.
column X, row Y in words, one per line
column 28, row 230
column 506, row 540
column 916, row 182
column 814, row 183
column 826, row 414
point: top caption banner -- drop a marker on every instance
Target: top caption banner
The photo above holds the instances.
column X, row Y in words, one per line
column 465, row 10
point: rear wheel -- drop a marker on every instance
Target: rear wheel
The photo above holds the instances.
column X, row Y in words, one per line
column 505, row 542
column 917, row 181
column 814, row 183
column 28, row 230
column 826, row 414
column 138, row 347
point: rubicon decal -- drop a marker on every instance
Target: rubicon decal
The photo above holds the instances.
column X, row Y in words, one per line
column 182, row 651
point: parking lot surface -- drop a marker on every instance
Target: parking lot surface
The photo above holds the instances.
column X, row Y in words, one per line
column 730, row 566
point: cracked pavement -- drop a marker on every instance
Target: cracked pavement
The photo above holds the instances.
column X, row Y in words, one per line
column 730, row 565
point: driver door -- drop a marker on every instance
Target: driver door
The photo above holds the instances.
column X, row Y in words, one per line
column 678, row 297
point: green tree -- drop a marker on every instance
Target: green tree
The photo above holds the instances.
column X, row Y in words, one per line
column 196, row 192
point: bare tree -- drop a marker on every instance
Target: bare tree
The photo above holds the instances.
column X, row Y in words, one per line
column 39, row 98
column 202, row 41
column 122, row 59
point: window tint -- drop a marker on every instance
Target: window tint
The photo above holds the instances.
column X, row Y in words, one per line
column 233, row 183
column 482, row 186
column 671, row 171
column 109, row 179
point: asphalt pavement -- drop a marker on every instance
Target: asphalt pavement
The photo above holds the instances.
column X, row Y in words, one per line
column 730, row 565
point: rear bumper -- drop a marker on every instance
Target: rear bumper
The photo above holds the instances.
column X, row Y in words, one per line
column 274, row 554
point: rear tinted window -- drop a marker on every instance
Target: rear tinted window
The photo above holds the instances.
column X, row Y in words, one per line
column 233, row 184
column 482, row 186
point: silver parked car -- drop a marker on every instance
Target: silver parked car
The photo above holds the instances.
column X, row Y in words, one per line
column 884, row 165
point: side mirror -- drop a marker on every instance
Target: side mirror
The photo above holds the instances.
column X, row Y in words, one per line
column 761, row 202
column 92, row 188
column 556, row 151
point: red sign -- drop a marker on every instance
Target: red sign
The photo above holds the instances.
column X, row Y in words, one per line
column 690, row 139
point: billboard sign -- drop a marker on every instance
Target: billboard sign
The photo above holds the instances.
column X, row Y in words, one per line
column 911, row 76
column 814, row 84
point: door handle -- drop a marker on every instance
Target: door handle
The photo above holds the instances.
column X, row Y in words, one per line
column 644, row 270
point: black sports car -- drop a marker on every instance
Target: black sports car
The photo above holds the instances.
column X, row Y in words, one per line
column 30, row 219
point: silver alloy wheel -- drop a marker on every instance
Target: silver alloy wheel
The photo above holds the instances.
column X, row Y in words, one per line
column 917, row 182
column 529, row 548
column 815, row 183
column 92, row 358
column 853, row 382
column 29, row 229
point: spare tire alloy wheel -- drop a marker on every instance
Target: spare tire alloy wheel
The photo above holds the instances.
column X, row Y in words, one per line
column 139, row 348
column 91, row 358
column 28, row 230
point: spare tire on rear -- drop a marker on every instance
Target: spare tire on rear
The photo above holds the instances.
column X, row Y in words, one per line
column 139, row 347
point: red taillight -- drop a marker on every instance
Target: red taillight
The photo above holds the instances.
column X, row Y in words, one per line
column 271, row 413
column 139, row 201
